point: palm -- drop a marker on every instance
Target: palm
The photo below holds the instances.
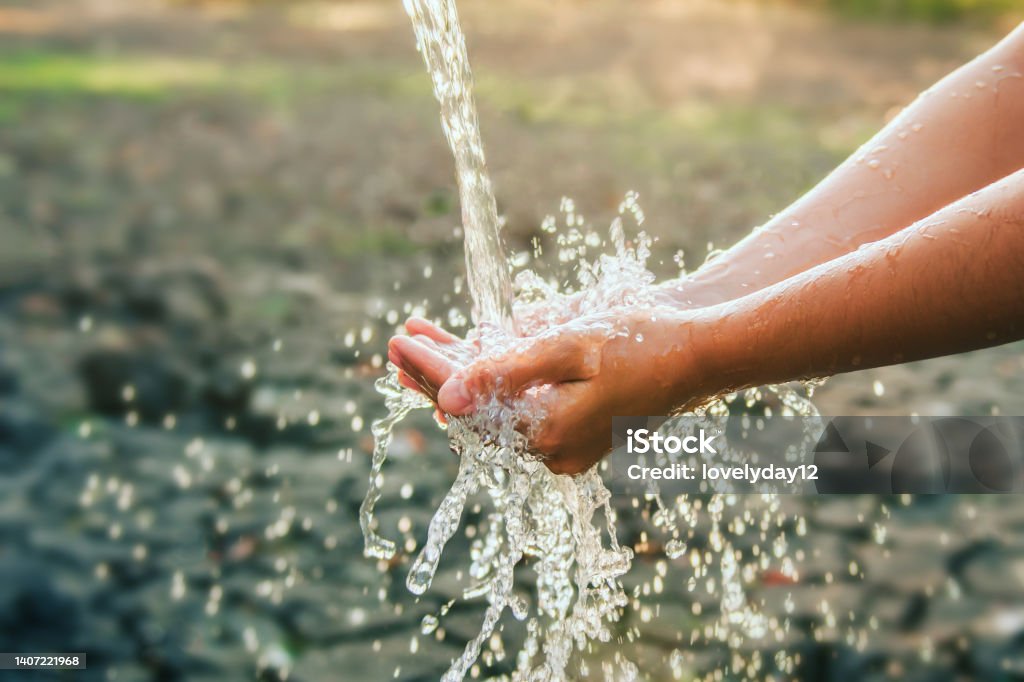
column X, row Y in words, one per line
column 428, row 356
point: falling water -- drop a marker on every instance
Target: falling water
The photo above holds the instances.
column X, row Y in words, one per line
column 439, row 39
column 565, row 527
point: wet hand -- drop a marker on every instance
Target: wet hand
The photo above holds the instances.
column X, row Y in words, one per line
column 577, row 376
column 428, row 356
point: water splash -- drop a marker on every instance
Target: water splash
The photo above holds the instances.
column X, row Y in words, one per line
column 564, row 527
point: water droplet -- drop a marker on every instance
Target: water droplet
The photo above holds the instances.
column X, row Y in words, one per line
column 248, row 369
column 675, row 548
column 428, row 624
column 178, row 588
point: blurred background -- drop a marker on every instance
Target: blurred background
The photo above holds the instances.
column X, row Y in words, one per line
column 212, row 216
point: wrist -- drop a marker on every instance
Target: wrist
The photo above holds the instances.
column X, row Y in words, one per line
column 720, row 350
column 681, row 355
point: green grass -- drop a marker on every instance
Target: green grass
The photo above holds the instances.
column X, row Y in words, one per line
column 576, row 102
column 932, row 11
column 154, row 77
column 378, row 240
column 29, row 77
column 59, row 73
column 636, row 127
column 439, row 203
column 11, row 109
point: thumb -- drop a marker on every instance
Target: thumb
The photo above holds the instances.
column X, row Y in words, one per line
column 547, row 360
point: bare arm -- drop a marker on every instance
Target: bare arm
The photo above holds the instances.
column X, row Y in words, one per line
column 890, row 259
column 950, row 283
column 959, row 136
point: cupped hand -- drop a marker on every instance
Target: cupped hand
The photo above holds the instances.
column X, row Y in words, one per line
column 428, row 356
column 577, row 376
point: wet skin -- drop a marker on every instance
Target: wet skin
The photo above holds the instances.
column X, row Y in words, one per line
column 586, row 376
column 890, row 259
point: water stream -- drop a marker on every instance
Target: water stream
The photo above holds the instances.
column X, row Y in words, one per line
column 441, row 42
column 561, row 529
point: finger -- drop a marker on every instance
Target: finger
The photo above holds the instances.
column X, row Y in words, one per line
column 545, row 361
column 425, row 366
column 428, row 342
column 407, row 381
column 459, row 354
column 418, row 325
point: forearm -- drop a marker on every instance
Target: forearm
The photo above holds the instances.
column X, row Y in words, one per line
column 961, row 135
column 950, row 283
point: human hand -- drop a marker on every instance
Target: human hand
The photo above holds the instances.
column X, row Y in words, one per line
column 432, row 353
column 576, row 376
column 428, row 356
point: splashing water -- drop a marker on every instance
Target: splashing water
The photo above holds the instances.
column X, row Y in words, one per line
column 536, row 514
column 563, row 527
